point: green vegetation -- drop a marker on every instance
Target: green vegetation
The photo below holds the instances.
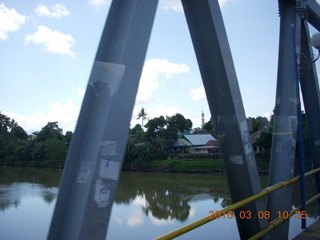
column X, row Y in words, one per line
column 47, row 148
column 149, row 148
column 176, row 165
column 192, row 166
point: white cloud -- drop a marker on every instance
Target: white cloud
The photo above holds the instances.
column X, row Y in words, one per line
column 65, row 114
column 119, row 220
column 267, row 115
column 161, row 222
column 198, row 93
column 58, row 10
column 81, row 93
column 135, row 218
column 171, row 4
column 140, row 201
column 192, row 212
column 177, row 6
column 98, row 3
column 152, row 69
column 53, row 41
column 223, row 2
column 10, row 20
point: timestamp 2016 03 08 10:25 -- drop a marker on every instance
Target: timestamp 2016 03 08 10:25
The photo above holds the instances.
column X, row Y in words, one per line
column 260, row 214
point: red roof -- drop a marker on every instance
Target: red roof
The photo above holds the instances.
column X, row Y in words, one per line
column 213, row 143
column 200, row 131
column 255, row 136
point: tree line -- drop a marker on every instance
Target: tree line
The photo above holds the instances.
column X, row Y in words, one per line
column 152, row 141
column 46, row 148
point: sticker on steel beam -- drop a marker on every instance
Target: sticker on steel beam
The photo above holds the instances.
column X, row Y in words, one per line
column 236, row 159
column 108, row 148
column 247, row 148
column 102, row 192
column 109, row 169
column 106, row 77
column 84, row 172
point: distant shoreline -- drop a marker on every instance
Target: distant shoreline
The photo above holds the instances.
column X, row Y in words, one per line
column 206, row 166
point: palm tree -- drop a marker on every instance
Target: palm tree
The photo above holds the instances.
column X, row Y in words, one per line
column 143, row 115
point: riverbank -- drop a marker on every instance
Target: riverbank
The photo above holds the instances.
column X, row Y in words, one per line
column 189, row 165
column 175, row 166
column 185, row 166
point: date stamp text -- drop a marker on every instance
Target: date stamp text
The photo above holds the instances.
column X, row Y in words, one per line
column 260, row 215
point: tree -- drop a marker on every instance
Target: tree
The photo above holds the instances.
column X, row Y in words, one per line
column 12, row 141
column 45, row 148
column 55, row 152
column 50, row 131
column 4, row 135
column 156, row 127
column 19, row 132
column 138, row 132
column 167, row 128
column 179, row 123
column 176, row 124
column 143, row 115
column 137, row 128
column 68, row 138
column 258, row 123
column 208, row 126
column 5, row 123
column 263, row 125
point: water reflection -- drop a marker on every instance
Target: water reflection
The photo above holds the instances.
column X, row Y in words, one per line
column 27, row 199
column 20, row 183
column 147, row 205
column 168, row 196
column 11, row 194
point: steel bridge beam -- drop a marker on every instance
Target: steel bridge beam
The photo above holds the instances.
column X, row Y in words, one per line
column 220, row 81
column 295, row 13
column 311, row 95
column 313, row 10
column 94, row 161
column 285, row 120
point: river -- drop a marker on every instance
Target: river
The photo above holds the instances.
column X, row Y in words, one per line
column 147, row 205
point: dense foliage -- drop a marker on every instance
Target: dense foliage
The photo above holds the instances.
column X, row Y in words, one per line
column 156, row 142
column 47, row 148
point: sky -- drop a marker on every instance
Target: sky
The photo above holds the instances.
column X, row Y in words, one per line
column 47, row 49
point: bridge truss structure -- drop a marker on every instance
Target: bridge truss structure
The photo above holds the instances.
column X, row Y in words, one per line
column 95, row 157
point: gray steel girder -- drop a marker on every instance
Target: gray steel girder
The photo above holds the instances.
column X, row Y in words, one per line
column 285, row 113
column 311, row 96
column 94, row 161
column 220, row 81
column 285, row 120
column 313, row 9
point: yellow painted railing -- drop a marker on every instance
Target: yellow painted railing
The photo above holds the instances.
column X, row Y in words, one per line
column 278, row 221
column 178, row 232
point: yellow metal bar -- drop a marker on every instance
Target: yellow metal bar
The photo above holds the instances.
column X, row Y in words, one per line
column 277, row 222
column 284, row 133
column 178, row 232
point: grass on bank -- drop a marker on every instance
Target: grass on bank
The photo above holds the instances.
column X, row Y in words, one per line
column 176, row 165
column 179, row 165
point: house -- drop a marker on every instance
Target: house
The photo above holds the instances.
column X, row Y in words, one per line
column 211, row 146
column 254, row 138
column 196, row 143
